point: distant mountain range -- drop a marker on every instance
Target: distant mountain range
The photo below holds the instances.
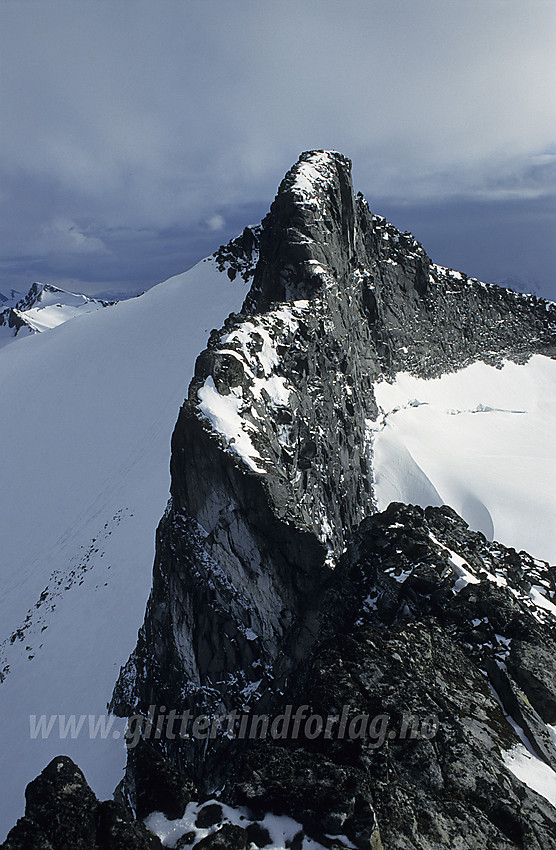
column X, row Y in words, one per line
column 42, row 308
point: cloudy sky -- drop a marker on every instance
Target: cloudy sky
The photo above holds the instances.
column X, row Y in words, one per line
column 138, row 135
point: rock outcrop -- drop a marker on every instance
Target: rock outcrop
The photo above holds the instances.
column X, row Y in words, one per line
column 62, row 813
column 430, row 682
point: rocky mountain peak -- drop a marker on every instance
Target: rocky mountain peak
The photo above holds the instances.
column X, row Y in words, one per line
column 309, row 231
column 35, row 295
column 272, row 453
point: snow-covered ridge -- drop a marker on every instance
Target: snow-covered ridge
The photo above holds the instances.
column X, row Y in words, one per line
column 86, row 419
column 531, row 585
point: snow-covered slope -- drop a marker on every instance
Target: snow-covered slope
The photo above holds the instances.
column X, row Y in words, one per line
column 43, row 308
column 85, row 423
column 480, row 440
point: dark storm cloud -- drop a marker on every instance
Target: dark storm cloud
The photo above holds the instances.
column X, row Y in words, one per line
column 137, row 135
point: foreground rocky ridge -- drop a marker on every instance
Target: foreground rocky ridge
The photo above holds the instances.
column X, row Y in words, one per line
column 62, row 812
column 276, row 583
column 406, row 636
column 438, row 641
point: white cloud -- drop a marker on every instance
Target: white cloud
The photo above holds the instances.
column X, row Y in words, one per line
column 64, row 236
column 216, row 222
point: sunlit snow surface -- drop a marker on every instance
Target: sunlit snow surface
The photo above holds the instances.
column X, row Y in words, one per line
column 86, row 417
column 480, row 440
column 533, row 772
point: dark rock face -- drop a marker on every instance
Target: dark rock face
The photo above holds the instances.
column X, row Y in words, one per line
column 327, row 797
column 225, row 838
column 421, row 629
column 423, row 318
column 62, row 813
column 11, row 319
column 73, row 823
column 159, row 786
column 117, row 828
column 424, row 648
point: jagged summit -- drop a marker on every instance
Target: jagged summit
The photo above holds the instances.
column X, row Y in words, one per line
column 308, row 232
column 320, row 238
column 314, row 180
column 37, row 293
column 313, row 171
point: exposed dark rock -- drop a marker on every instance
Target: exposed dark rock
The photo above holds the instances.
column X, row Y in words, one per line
column 404, row 642
column 186, row 840
column 326, row 797
column 244, row 589
column 228, row 837
column 62, row 813
column 118, row 829
column 422, row 317
column 27, row 835
column 159, row 785
column 431, row 766
column 258, row 835
column 208, row 816
column 61, row 804
column 534, row 668
column 239, row 257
